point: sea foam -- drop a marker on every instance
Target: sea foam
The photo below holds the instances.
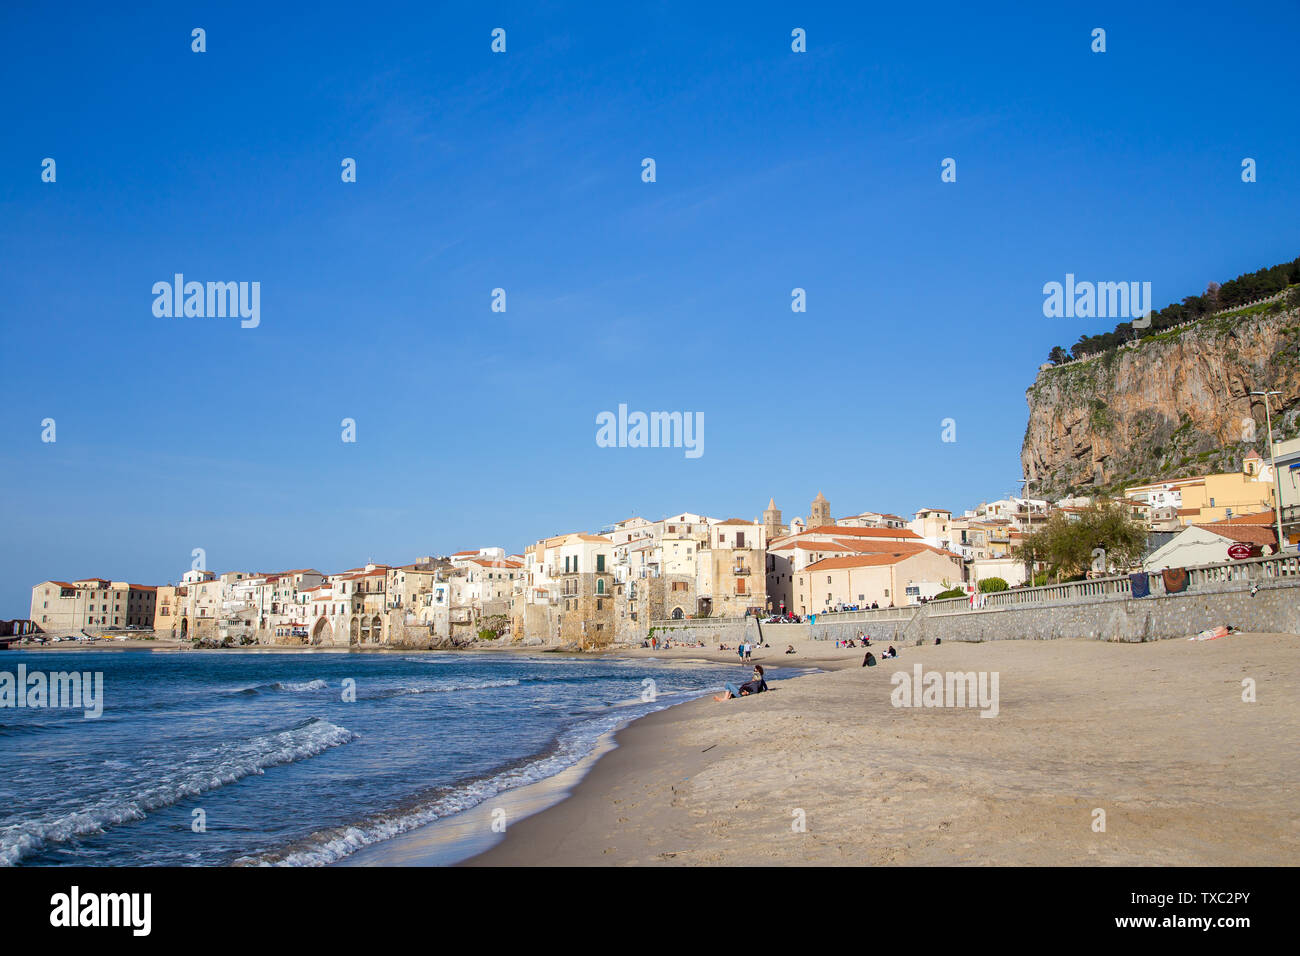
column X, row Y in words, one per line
column 186, row 776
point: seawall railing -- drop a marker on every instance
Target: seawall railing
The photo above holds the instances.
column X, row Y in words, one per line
column 1230, row 575
column 699, row 623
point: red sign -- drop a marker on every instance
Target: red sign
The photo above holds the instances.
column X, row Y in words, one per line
column 1238, row 551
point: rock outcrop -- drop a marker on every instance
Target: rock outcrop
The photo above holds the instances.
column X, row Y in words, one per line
column 1174, row 404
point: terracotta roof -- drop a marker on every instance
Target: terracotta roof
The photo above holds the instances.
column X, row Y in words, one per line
column 594, row 537
column 859, row 561
column 1259, row 517
column 461, row 554
column 822, row 546
column 736, row 521
column 1245, row 533
column 895, row 533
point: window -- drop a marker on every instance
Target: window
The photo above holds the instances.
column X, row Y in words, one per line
column 600, row 563
column 740, row 539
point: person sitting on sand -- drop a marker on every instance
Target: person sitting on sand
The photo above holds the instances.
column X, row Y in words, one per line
column 889, row 653
column 755, row 686
column 789, row 648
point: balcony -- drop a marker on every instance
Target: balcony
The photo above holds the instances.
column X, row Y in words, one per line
column 740, row 571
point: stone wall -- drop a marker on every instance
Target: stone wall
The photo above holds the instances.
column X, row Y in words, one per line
column 1274, row 608
column 722, row 631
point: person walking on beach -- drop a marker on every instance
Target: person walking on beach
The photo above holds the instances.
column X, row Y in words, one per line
column 749, row 650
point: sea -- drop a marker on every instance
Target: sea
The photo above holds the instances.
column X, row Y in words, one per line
column 301, row 759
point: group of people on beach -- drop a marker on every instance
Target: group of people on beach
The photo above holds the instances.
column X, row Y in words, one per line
column 862, row 640
column 870, row 659
column 744, row 650
column 655, row 644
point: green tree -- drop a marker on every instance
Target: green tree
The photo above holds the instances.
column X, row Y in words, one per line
column 1068, row 546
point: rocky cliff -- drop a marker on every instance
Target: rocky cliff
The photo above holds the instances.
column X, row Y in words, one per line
column 1174, row 404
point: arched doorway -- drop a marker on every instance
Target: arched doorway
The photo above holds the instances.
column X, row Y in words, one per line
column 322, row 634
column 356, row 631
column 677, row 614
column 185, row 627
column 376, row 629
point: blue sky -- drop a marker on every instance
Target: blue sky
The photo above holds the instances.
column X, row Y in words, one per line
column 522, row 170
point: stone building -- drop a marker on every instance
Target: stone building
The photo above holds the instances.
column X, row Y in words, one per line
column 62, row 607
column 772, row 525
column 819, row 514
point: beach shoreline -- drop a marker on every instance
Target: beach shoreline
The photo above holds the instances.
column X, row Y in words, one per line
column 460, row 837
column 1092, row 760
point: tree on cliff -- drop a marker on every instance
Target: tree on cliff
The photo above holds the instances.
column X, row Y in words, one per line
column 1236, row 292
column 1068, row 546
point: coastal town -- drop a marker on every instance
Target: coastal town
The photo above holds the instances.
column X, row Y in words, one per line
column 590, row 589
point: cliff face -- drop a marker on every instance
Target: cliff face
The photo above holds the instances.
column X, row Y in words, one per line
column 1176, row 404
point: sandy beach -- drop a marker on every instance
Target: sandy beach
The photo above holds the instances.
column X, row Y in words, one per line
column 128, row 644
column 1155, row 735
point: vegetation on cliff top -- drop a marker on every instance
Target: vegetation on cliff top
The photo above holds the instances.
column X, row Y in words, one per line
column 1235, row 292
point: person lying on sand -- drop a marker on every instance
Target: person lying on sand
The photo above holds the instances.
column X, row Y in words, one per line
column 756, row 686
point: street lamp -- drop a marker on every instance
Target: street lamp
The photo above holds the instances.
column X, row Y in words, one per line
column 1272, row 463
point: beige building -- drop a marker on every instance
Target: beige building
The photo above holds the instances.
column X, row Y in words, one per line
column 1211, row 498
column 1288, row 489
column 792, row 554
column 730, row 575
column 65, row 607
column 891, row 579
